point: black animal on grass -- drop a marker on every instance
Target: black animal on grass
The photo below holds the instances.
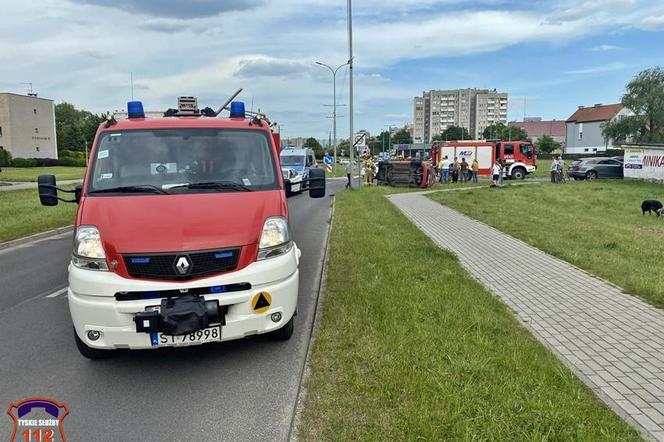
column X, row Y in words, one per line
column 651, row 206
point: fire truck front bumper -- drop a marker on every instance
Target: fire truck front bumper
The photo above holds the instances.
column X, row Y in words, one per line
column 112, row 312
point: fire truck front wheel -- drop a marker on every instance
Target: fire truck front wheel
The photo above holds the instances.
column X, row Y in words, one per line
column 519, row 173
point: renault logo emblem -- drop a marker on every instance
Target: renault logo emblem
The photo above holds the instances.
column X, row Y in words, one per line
column 182, row 265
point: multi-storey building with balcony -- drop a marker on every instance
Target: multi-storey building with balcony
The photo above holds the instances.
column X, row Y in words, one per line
column 473, row 109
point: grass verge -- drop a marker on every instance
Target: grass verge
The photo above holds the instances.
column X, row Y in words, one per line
column 410, row 347
column 339, row 171
column 597, row 226
column 544, row 168
column 31, row 173
column 22, row 215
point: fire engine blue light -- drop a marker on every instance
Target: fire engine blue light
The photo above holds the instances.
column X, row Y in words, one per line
column 237, row 109
column 217, row 289
column 222, row 255
column 135, row 109
column 140, row 260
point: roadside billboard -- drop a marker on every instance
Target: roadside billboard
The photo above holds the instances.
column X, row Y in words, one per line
column 644, row 162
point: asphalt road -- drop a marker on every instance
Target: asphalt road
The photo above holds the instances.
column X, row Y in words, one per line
column 239, row 390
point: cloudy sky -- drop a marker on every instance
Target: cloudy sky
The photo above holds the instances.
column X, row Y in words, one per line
column 557, row 54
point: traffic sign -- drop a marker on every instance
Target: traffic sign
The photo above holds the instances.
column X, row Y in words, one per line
column 328, row 160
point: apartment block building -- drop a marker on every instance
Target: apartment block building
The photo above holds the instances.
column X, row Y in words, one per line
column 473, row 109
column 27, row 126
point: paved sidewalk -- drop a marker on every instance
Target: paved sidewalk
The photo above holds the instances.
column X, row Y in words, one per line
column 614, row 342
column 31, row 185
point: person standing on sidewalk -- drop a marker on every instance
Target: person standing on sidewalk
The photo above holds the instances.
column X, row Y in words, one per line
column 503, row 172
column 349, row 171
column 561, row 169
column 439, row 169
column 554, row 170
column 474, row 168
column 368, row 170
column 495, row 173
column 463, row 168
column 445, row 170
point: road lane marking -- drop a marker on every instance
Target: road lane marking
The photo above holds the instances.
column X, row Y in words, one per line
column 58, row 293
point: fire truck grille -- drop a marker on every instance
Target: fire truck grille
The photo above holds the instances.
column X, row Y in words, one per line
column 185, row 265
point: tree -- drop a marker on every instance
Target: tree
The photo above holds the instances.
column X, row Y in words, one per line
column 342, row 148
column 546, row 144
column 644, row 96
column 74, row 127
column 401, row 137
column 452, row 133
column 499, row 131
column 379, row 142
column 313, row 143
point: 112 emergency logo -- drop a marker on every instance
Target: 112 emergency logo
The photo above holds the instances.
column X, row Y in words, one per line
column 38, row 420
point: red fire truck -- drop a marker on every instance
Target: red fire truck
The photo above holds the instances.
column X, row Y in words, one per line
column 518, row 157
column 182, row 235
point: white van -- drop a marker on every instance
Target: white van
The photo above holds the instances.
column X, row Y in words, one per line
column 295, row 166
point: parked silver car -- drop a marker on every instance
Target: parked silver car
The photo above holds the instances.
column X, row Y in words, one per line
column 596, row 167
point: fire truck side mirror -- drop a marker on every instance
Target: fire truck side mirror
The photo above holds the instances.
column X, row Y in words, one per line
column 317, row 183
column 48, row 193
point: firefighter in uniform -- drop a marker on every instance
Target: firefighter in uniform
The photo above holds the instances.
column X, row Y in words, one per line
column 368, row 169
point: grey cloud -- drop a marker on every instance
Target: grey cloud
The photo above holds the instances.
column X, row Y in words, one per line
column 271, row 68
column 175, row 8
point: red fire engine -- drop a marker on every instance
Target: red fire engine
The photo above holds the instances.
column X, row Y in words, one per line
column 518, row 157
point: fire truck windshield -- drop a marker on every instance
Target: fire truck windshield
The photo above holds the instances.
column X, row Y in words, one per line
column 134, row 161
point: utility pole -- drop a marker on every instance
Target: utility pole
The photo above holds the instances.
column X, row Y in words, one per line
column 351, row 141
column 389, row 136
column 334, row 105
column 524, row 108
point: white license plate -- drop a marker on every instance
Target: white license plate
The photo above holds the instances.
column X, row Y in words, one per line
column 210, row 334
column 296, row 187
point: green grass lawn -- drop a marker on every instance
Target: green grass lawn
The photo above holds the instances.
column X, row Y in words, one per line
column 411, row 348
column 339, row 171
column 544, row 168
column 597, row 226
column 22, row 215
column 31, row 173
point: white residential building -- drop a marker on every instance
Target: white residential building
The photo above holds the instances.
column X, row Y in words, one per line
column 473, row 109
column 27, row 126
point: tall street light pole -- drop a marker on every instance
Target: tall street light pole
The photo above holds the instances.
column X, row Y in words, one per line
column 334, row 106
column 389, row 136
column 351, row 141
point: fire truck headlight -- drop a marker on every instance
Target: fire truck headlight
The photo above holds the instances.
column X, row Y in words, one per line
column 88, row 250
column 275, row 239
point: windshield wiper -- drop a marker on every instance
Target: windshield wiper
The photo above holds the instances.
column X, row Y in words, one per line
column 223, row 185
column 141, row 188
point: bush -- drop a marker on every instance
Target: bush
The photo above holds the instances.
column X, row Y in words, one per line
column 68, row 161
column 5, row 158
column 46, row 162
column 66, row 153
column 24, row 162
column 42, row 162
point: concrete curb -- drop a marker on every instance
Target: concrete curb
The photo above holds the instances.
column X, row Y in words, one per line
column 35, row 238
column 315, row 325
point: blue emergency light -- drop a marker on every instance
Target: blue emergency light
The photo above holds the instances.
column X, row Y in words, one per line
column 135, row 109
column 237, row 109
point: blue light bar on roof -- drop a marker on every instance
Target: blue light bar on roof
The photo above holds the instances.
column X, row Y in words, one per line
column 237, row 109
column 135, row 109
